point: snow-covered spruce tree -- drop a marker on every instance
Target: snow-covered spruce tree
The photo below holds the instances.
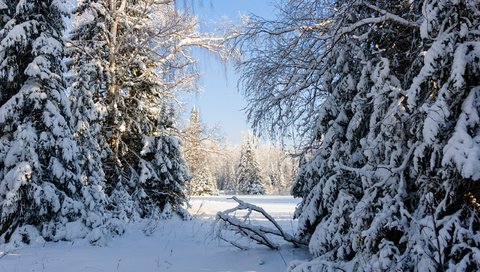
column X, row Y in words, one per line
column 40, row 189
column 87, row 86
column 163, row 172
column 414, row 203
column 249, row 177
column 141, row 48
column 392, row 184
column 442, row 115
column 328, row 195
column 91, row 78
column 195, row 138
column 203, row 183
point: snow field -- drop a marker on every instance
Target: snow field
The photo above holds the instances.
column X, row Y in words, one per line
column 280, row 207
column 175, row 245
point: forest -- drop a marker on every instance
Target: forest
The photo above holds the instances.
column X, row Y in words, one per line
column 381, row 97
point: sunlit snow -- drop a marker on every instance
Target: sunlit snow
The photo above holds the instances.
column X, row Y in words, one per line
column 175, row 245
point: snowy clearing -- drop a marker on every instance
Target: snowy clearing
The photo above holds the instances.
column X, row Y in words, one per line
column 176, row 245
column 280, row 207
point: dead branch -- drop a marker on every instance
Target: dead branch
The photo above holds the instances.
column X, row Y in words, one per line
column 225, row 221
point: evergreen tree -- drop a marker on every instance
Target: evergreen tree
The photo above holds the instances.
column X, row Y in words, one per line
column 39, row 182
column 203, row 183
column 87, row 85
column 392, row 177
column 249, row 178
column 442, row 116
column 137, row 59
column 163, row 173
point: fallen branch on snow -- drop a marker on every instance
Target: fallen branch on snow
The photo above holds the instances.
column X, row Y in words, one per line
column 225, row 221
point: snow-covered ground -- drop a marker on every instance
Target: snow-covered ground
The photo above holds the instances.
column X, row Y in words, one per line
column 175, row 245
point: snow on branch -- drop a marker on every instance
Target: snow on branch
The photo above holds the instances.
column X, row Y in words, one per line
column 227, row 221
column 391, row 16
column 273, row 29
column 374, row 20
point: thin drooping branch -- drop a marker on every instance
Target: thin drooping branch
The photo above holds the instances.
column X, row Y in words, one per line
column 225, row 221
column 287, row 62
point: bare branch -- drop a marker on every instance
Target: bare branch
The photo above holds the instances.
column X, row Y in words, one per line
column 260, row 234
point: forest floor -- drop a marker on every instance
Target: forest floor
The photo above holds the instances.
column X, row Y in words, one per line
column 175, row 245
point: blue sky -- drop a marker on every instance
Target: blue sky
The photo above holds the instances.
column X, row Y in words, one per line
column 220, row 103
